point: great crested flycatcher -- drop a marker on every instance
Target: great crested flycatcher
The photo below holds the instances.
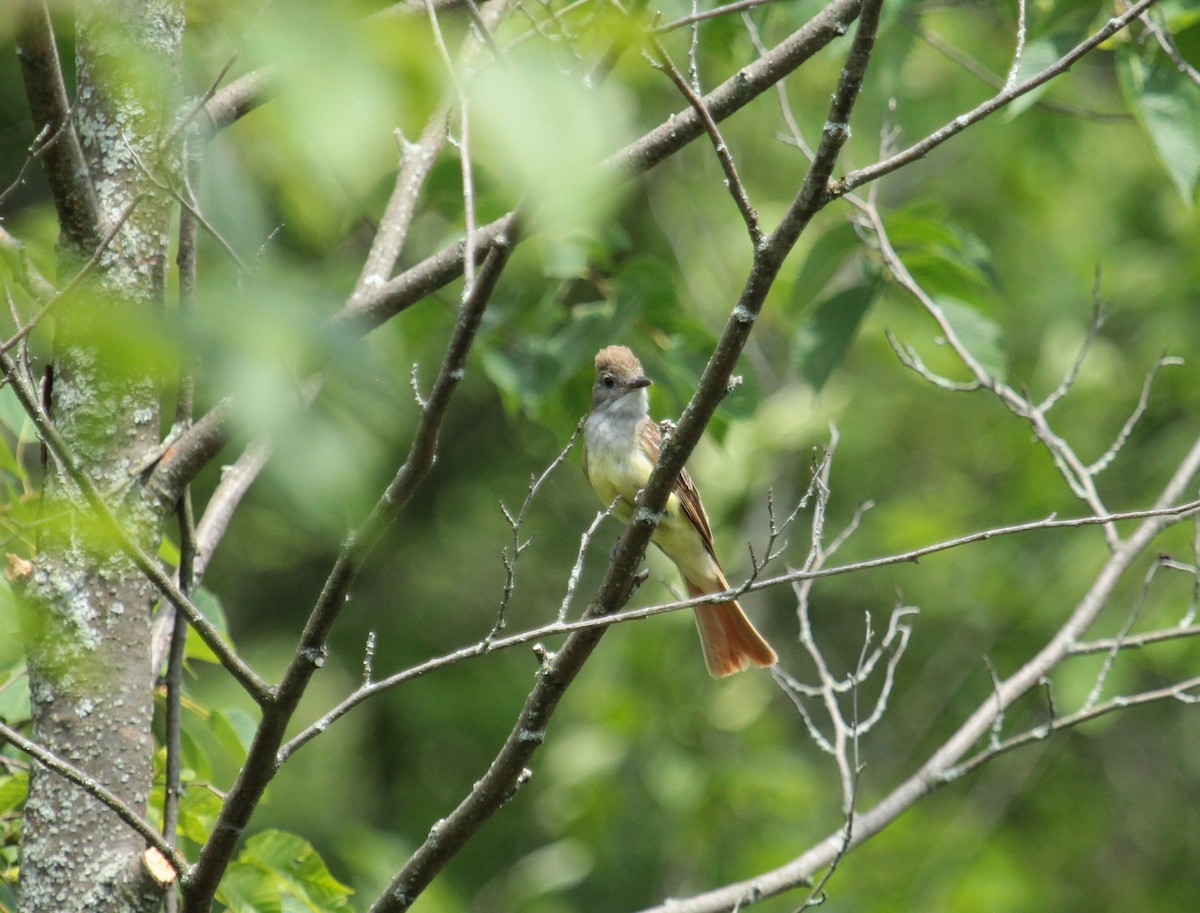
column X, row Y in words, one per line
column 620, row 448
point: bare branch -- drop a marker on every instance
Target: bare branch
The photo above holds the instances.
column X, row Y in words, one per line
column 438, row 270
column 96, row 790
column 66, row 169
column 1186, row 691
column 515, row 523
column 1073, row 372
column 1077, row 475
column 1015, row 69
column 974, row 67
column 260, row 766
column 732, row 181
column 1138, row 411
column 239, row 98
column 739, row 7
column 463, row 145
column 562, row 626
column 1167, row 42
column 190, row 452
column 921, row 149
column 1134, row 642
column 943, row 765
column 577, row 568
column 241, row 672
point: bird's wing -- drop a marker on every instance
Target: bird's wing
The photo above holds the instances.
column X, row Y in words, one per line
column 685, row 488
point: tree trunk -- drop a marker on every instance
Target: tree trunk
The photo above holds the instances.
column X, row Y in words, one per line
column 87, row 607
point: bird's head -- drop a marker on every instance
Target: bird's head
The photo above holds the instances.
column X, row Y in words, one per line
column 618, row 374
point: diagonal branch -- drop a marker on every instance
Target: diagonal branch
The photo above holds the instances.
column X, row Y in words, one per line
column 95, row 789
column 239, row 98
column 66, row 169
column 236, row 666
column 562, row 626
column 259, row 769
column 940, row 766
column 440, row 269
column 921, row 149
column 375, row 301
column 508, row 771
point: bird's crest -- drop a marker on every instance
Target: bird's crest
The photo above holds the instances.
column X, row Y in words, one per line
column 619, row 361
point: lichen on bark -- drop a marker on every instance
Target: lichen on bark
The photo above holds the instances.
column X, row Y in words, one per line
column 86, row 607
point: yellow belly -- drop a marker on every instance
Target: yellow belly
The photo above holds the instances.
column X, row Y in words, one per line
column 620, row 479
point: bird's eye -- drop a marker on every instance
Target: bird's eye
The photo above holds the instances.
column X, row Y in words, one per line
column 609, row 381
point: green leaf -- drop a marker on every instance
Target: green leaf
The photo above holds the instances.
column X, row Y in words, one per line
column 944, row 258
column 823, row 342
column 277, row 871
column 14, row 694
column 981, row 335
column 1167, row 105
column 198, row 810
column 210, row 607
column 13, row 791
column 13, row 417
column 250, row 889
column 234, row 729
column 195, row 757
column 544, row 133
column 1037, row 56
column 822, row 262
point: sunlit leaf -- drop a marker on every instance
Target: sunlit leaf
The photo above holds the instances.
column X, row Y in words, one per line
column 13, row 790
column 981, row 336
column 288, row 869
column 542, row 132
column 1167, row 105
column 14, row 418
column 248, row 888
column 198, row 810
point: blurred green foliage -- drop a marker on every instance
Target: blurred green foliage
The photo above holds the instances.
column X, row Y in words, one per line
column 656, row 781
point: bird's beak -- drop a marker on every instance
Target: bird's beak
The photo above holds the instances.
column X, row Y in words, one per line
column 636, row 383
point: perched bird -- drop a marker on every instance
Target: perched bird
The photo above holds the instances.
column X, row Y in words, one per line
column 620, row 448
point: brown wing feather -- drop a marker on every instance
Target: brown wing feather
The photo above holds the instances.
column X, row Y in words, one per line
column 685, row 488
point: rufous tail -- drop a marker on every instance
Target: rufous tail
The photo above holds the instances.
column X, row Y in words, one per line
column 730, row 641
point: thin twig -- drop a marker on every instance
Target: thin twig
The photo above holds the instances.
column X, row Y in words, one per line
column 173, row 722
column 944, row 764
column 1138, row 411
column 96, row 790
column 464, row 150
column 1093, row 330
column 733, row 182
column 200, row 887
column 1186, row 691
column 235, row 665
column 1077, row 475
column 79, row 276
column 1019, row 52
column 568, row 627
column 921, row 149
column 695, row 17
column 381, row 304
column 1167, row 43
column 515, row 524
column 79, row 211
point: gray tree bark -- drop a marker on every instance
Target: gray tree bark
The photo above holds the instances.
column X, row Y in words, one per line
column 87, row 607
